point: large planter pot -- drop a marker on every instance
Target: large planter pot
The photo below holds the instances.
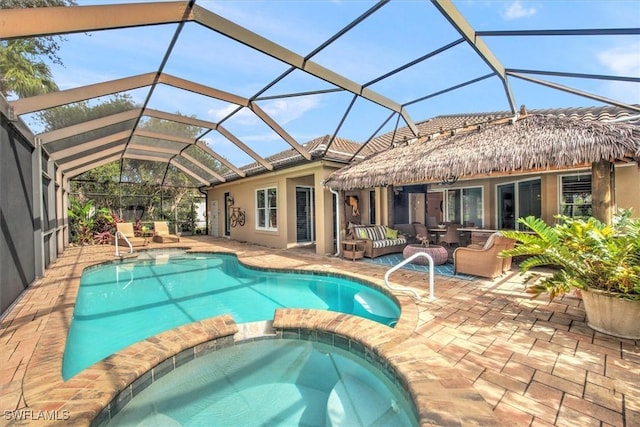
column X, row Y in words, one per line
column 611, row 315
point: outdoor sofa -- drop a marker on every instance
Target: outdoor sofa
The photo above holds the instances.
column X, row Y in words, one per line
column 378, row 239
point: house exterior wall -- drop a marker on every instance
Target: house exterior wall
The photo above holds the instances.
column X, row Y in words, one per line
column 285, row 181
column 627, row 191
column 628, row 188
column 312, row 175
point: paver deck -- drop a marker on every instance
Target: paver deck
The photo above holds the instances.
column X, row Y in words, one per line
column 533, row 362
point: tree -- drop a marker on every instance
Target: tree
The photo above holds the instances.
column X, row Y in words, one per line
column 23, row 73
column 132, row 185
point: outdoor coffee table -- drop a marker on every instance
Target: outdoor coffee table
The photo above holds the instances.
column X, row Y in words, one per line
column 437, row 252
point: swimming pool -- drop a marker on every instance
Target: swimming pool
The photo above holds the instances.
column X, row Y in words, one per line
column 121, row 303
column 271, row 382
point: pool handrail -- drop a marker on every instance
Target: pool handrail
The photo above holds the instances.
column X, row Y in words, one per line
column 125, row 239
column 409, row 290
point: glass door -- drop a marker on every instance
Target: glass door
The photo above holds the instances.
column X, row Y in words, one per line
column 529, row 199
column 304, row 214
column 506, row 206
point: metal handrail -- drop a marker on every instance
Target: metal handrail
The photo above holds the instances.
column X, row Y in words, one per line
column 406, row 261
column 126, row 240
column 118, row 268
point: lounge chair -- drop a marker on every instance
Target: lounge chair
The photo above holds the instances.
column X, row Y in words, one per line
column 484, row 260
column 126, row 228
column 162, row 234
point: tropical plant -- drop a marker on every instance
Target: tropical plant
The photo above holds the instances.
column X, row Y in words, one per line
column 584, row 254
column 85, row 221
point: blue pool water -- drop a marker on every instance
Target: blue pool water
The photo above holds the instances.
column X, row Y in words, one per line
column 121, row 303
column 271, row 383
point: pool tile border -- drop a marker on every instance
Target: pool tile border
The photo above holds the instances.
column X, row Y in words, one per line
column 406, row 361
column 336, row 340
column 154, row 374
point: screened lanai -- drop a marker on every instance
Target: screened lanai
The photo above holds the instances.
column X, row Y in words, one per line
column 186, row 94
column 206, row 87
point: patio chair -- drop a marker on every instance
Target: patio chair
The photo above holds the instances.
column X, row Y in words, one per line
column 451, row 236
column 423, row 231
column 162, row 234
column 484, row 261
column 126, row 228
column 432, row 222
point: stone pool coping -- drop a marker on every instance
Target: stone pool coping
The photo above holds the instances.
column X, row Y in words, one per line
column 439, row 393
column 535, row 362
column 429, row 378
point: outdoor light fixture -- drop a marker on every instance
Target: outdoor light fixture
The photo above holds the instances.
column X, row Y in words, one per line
column 449, row 180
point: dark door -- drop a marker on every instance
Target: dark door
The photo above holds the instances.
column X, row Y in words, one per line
column 304, row 214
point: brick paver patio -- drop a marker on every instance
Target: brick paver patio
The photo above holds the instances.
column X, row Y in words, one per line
column 534, row 363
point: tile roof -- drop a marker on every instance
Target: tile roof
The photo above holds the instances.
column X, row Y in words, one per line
column 342, row 150
column 447, row 123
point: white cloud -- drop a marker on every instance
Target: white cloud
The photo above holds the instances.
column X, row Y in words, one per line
column 244, row 117
column 516, row 10
column 622, row 60
column 282, row 111
column 287, row 110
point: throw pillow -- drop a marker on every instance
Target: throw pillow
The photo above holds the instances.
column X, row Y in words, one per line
column 391, row 233
column 362, row 233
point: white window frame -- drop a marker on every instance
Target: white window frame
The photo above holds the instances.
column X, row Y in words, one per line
column 445, row 204
column 267, row 208
column 561, row 195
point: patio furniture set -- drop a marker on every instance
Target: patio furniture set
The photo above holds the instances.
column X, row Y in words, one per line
column 479, row 259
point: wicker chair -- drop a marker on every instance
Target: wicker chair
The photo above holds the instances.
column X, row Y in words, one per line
column 451, row 236
column 484, row 261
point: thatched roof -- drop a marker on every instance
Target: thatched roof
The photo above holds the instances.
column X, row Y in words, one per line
column 532, row 142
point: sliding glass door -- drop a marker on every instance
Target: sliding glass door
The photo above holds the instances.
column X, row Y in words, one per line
column 517, row 200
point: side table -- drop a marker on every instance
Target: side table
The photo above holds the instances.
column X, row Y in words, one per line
column 353, row 249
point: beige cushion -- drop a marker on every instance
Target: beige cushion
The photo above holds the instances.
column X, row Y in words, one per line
column 490, row 240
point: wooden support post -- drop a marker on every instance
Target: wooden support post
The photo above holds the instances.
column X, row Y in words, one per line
column 390, row 207
column 602, row 191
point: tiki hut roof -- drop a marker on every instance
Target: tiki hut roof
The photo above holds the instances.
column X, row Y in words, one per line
column 534, row 142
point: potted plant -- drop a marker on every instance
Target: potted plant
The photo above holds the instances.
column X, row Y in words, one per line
column 601, row 261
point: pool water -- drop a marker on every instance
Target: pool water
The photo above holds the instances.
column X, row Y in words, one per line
column 271, row 382
column 121, row 303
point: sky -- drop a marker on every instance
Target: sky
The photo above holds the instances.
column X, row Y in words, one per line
column 396, row 34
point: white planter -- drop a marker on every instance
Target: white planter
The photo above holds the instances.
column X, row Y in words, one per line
column 611, row 315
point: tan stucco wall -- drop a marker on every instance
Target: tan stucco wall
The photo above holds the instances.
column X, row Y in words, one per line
column 243, row 192
column 628, row 188
column 312, row 175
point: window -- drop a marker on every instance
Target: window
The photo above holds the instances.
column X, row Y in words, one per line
column 464, row 206
column 267, row 209
column 575, row 197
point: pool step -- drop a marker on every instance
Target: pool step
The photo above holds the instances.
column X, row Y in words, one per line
column 252, row 330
